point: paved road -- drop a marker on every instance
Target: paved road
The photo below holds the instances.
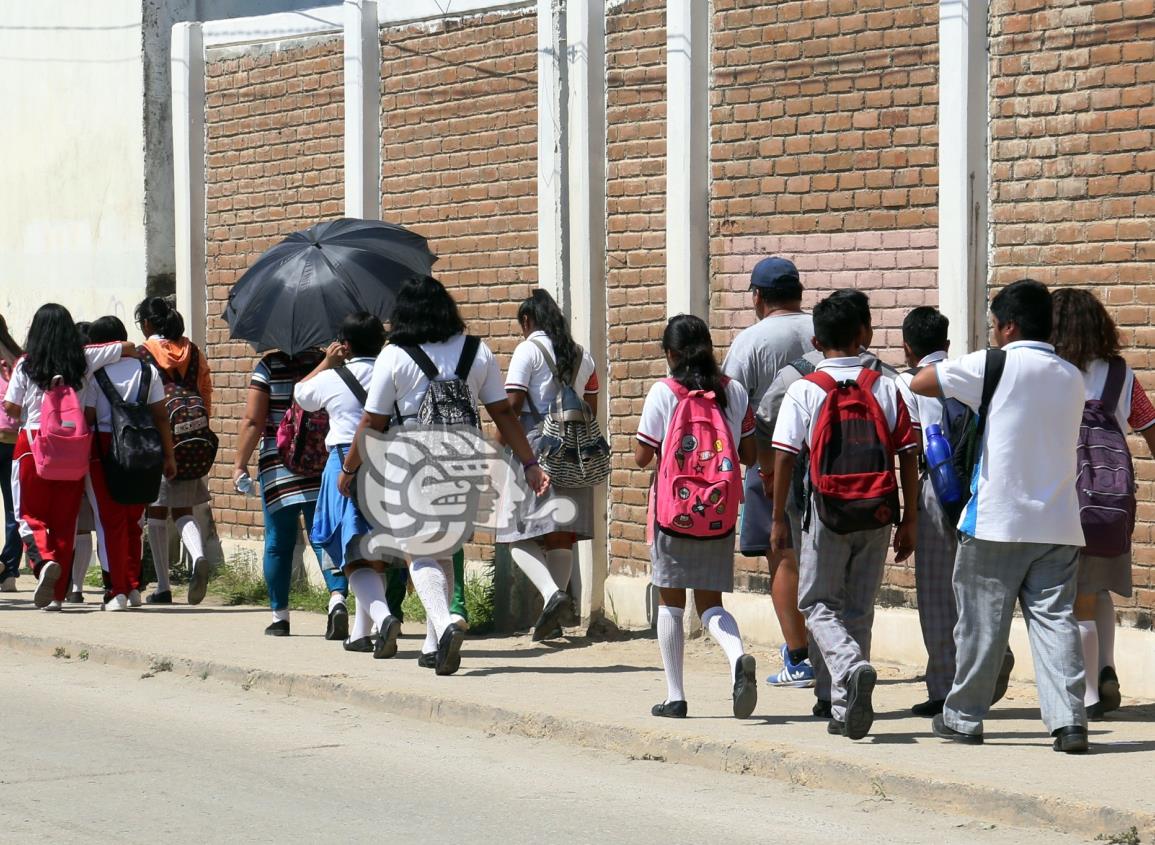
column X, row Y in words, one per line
column 96, row 754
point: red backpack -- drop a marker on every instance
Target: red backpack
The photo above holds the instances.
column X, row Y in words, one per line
column 852, row 457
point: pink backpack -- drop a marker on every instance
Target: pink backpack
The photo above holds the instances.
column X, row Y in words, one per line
column 62, row 448
column 8, row 425
column 699, row 484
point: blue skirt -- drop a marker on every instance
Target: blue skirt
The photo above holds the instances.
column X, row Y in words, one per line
column 337, row 524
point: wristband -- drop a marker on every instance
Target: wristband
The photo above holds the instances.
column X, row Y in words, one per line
column 349, row 471
column 528, row 464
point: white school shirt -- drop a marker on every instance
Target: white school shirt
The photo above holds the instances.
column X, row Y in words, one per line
column 925, row 411
column 29, row 396
column 125, row 377
column 398, row 381
column 804, row 399
column 1133, row 410
column 658, row 410
column 529, row 372
column 1023, row 490
column 327, row 391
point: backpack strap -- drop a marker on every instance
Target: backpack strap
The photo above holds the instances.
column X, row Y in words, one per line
column 351, row 382
column 192, row 374
column 108, row 388
column 803, row 366
column 824, row 380
column 867, row 376
column 1113, row 389
column 992, row 373
column 468, row 354
column 145, row 383
column 423, row 361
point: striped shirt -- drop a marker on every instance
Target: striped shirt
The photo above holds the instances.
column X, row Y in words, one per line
column 276, row 375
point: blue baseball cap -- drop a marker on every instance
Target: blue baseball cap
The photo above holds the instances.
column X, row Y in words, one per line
column 776, row 274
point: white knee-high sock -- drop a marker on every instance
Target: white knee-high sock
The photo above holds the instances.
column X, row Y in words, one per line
column 433, row 588
column 369, row 589
column 1105, row 620
column 723, row 627
column 158, row 542
column 190, row 535
column 560, row 563
column 431, row 643
column 530, row 559
column 81, row 558
column 1089, row 634
column 672, row 644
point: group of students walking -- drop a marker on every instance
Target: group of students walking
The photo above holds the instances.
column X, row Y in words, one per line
column 816, row 419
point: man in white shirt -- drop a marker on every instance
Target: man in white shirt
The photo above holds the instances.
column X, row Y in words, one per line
column 1020, row 534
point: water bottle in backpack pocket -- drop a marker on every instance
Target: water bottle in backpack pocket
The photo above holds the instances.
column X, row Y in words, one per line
column 698, row 487
column 940, row 466
column 134, row 461
column 1106, row 473
column 62, row 447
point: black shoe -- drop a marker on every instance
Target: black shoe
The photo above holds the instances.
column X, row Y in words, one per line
column 278, row 629
column 1004, row 679
column 385, row 646
column 1109, row 689
column 1071, row 739
column 821, row 709
column 859, row 710
column 159, row 597
column 361, row 644
column 745, row 687
column 198, row 581
column 428, row 661
column 555, row 609
column 670, row 710
column 836, row 728
column 928, row 708
column 943, row 732
column 1095, row 712
column 75, row 597
column 449, row 651
column 338, row 625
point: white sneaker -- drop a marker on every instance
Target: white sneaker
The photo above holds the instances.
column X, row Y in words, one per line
column 53, row 605
column 8, row 585
column 46, row 584
column 116, row 603
column 134, row 599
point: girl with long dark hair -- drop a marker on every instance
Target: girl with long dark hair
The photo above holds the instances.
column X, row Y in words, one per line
column 1084, row 334
column 428, row 334
column 11, row 546
column 540, row 546
column 47, row 507
column 679, row 562
column 179, row 361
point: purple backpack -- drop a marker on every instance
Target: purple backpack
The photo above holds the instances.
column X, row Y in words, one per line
column 1106, row 473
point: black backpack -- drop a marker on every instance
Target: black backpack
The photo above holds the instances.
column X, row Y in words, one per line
column 134, row 462
column 448, row 401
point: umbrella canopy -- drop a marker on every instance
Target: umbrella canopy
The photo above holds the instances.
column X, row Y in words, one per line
column 296, row 295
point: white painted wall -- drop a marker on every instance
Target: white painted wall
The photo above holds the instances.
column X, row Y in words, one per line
column 71, row 139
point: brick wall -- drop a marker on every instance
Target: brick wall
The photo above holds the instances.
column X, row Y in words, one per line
column 459, row 161
column 1072, row 105
column 274, row 125
column 636, row 258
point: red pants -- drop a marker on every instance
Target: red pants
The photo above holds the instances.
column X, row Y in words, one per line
column 49, row 509
column 117, row 530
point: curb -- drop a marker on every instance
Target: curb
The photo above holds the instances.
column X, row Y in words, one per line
column 790, row 764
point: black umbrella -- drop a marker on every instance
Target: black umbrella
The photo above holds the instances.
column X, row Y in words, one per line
column 296, row 294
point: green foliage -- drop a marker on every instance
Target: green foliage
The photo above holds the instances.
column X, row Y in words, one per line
column 479, row 605
column 1125, row 837
column 236, row 585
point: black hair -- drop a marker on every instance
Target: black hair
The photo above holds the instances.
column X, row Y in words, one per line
column 543, row 310
column 837, row 323
column 82, row 329
column 860, row 301
column 424, row 313
column 107, row 330
column 7, row 340
column 781, row 294
column 694, row 365
column 54, row 348
column 1028, row 305
column 165, row 320
column 925, row 330
column 363, row 332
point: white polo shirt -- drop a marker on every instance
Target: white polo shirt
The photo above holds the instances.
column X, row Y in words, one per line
column 529, row 372
column 327, row 391
column 125, row 377
column 925, row 411
column 23, row 392
column 398, row 381
column 1024, row 485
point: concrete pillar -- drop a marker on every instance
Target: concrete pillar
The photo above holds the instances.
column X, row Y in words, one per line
column 687, row 157
column 362, row 110
column 586, row 244
column 188, row 146
column 962, row 171
column 551, row 119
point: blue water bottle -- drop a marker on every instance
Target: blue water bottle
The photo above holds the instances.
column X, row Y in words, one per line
column 946, row 482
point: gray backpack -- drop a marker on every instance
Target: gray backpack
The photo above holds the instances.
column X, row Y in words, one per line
column 571, row 448
column 448, row 401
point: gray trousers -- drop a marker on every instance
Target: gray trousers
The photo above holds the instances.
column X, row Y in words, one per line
column 838, row 580
column 988, row 578
column 821, row 673
column 934, row 557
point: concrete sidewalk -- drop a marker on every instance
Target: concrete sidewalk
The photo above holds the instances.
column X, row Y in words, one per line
column 599, row 695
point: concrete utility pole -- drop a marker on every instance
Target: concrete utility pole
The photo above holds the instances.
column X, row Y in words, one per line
column 188, row 146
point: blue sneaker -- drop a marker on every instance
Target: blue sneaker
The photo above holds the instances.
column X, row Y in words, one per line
column 798, row 675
